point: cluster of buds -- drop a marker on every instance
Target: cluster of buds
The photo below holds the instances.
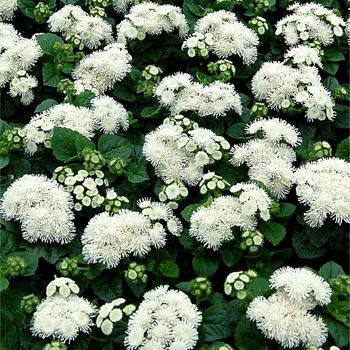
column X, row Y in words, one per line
column 136, row 273
column 252, row 241
column 259, row 24
column 212, row 183
column 320, row 149
column 41, row 12
column 75, row 41
column 69, row 267
column 259, row 110
column 201, row 288
column 11, row 140
column 150, row 77
column 62, row 286
column 222, row 69
column 117, row 166
column 218, row 345
column 341, row 93
column 93, row 160
column 341, row 286
column 55, row 345
column 316, row 45
column 173, row 190
column 198, row 44
column 236, row 283
column 98, row 7
column 313, row 347
column 66, row 86
column 257, row 6
column 180, row 120
column 111, row 313
column 14, row 266
column 29, row 303
column 113, row 203
column 66, row 52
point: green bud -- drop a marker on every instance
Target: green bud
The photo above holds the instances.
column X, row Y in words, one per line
column 29, row 303
column 11, row 140
column 201, row 288
column 93, row 160
column 252, row 241
column 55, row 345
column 320, row 149
column 136, row 273
column 15, row 266
column 117, row 166
column 259, row 110
column 41, row 12
column 69, row 267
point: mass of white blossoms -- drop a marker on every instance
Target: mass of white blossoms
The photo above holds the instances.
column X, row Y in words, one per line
column 304, row 55
column 285, row 316
column 324, row 187
column 214, row 224
column 7, row 9
column 149, row 18
column 177, row 154
column 122, row 6
column 42, row 206
column 73, row 21
column 165, row 319
column 270, row 158
column 62, row 317
column 17, row 56
column 109, row 238
column 220, row 32
column 282, row 86
column 100, row 70
column 309, row 23
column 179, row 93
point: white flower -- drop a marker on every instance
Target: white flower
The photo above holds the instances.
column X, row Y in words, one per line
column 109, row 314
column 324, row 186
column 22, row 86
column 303, row 54
column 7, row 9
column 43, row 207
column 8, row 36
column 165, row 319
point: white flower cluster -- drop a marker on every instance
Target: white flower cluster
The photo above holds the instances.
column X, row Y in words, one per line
column 62, row 315
column 165, row 319
column 269, row 159
column 237, row 282
column 153, row 19
column 285, row 316
column 179, row 93
column 220, row 32
column 100, row 70
column 109, row 314
column 7, row 9
column 122, row 6
column 347, row 30
column 212, row 182
column 17, row 56
column 304, row 55
column 73, row 21
column 182, row 155
column 43, row 207
column 310, row 22
column 108, row 239
column 213, row 225
column 105, row 114
column 282, row 86
column 324, row 186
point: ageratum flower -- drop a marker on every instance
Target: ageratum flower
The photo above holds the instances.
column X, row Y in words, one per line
column 43, row 207
column 304, row 55
column 324, row 186
column 7, row 9
column 165, row 319
column 8, row 36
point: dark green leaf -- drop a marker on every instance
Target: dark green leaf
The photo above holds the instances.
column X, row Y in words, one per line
column 205, row 266
column 331, row 270
column 43, row 106
column 273, row 232
column 169, row 268
column 113, row 146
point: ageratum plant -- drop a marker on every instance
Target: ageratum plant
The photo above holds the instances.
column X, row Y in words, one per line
column 175, row 175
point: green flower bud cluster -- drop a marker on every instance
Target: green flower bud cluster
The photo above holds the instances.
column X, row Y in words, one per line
column 150, row 77
column 257, row 6
column 113, row 203
column 55, row 345
column 111, row 313
column 340, row 93
column 69, row 267
column 29, row 303
column 66, row 86
column 341, row 286
column 11, row 139
column 182, row 121
column 93, row 160
column 212, row 183
column 98, row 7
column 201, row 288
column 75, row 41
column 320, row 149
column 117, row 166
column 136, row 273
column 173, row 190
column 259, row 110
column 252, row 241
column 15, row 266
column 66, row 53
column 222, row 69
column 216, row 346
column 315, row 44
column 199, row 44
column 236, row 283
column 151, row 73
column 41, row 12
column 62, row 286
column 259, row 24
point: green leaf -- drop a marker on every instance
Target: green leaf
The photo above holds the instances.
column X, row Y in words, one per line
column 150, row 112
column 343, row 149
column 330, row 270
column 8, row 242
column 125, row 93
column 331, row 67
column 43, row 106
column 4, row 283
column 304, row 248
column 334, row 55
column 184, row 286
column 205, row 266
column 84, row 99
column 4, row 160
column 68, row 144
column 47, row 41
column 236, row 131
column 231, row 255
column 331, row 83
column 338, row 331
column 113, row 146
column 51, row 77
column 285, row 210
column 273, row 232
column 169, row 268
column 107, row 286
column 27, row 7
column 188, row 211
column 31, row 261
column 137, row 172
column 342, row 119
column 259, row 286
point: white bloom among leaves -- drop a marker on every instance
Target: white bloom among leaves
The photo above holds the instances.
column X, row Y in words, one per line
column 324, row 186
column 43, row 207
column 285, row 316
column 7, row 9
column 62, row 315
column 109, row 238
column 165, row 319
column 303, row 54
